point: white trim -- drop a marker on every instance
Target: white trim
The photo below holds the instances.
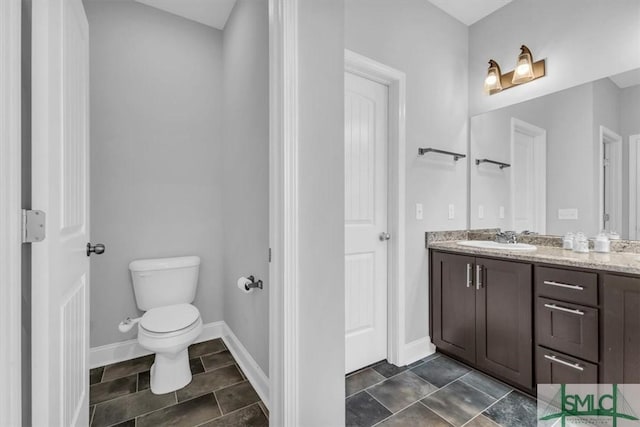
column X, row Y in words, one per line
column 283, row 213
column 130, row 349
column 396, row 81
column 249, row 366
column 416, row 350
column 608, row 136
column 634, row 169
column 10, row 214
column 540, row 171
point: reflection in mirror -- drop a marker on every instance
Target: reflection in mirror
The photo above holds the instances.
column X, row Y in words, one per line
column 574, row 159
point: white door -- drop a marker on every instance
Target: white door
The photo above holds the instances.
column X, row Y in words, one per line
column 60, row 179
column 611, row 176
column 528, row 177
column 366, row 105
column 634, row 187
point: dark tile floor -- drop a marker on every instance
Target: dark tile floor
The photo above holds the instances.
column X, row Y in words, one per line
column 434, row 392
column 218, row 395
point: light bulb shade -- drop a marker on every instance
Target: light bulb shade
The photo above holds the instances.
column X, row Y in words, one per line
column 493, row 83
column 524, row 67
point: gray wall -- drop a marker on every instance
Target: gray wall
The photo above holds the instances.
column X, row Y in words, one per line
column 246, row 174
column 321, row 212
column 582, row 41
column 567, row 116
column 419, row 39
column 156, row 144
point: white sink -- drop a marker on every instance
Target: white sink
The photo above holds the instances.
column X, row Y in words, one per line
column 486, row 244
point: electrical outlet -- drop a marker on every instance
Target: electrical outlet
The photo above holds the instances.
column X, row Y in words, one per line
column 419, row 214
column 501, row 212
column 480, row 212
column 567, row 213
column 452, row 211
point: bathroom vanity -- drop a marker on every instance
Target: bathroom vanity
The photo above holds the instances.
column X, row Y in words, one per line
column 543, row 316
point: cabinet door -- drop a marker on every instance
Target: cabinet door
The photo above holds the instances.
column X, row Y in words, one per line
column 621, row 358
column 453, row 305
column 504, row 335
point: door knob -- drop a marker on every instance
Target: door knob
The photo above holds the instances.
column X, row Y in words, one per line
column 97, row 249
column 384, row 236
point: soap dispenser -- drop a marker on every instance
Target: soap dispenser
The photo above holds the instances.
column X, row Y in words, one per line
column 602, row 243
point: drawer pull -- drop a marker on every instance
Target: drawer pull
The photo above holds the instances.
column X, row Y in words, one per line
column 564, row 285
column 565, row 309
column 564, row 362
column 469, row 279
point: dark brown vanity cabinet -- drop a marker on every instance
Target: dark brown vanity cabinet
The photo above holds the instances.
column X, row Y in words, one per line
column 481, row 313
column 621, row 335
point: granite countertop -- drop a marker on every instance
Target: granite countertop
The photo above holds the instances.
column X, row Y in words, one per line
column 621, row 262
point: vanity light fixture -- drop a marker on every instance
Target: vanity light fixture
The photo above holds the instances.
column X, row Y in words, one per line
column 526, row 70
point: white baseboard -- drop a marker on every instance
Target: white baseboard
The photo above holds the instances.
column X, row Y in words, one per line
column 249, row 366
column 416, row 350
column 126, row 350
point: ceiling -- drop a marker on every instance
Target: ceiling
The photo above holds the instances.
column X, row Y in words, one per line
column 213, row 13
column 469, row 11
column 628, row 79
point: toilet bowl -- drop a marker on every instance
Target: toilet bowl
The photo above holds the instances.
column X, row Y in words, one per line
column 164, row 288
column 168, row 332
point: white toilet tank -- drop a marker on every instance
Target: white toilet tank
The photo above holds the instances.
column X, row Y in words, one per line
column 164, row 281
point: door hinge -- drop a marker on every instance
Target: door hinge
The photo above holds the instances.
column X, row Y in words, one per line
column 33, row 226
column 269, row 254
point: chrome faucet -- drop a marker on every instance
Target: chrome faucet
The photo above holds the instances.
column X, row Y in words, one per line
column 506, row 237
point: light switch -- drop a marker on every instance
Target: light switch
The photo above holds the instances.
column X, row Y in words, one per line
column 568, row 213
column 501, row 212
column 480, row 212
column 452, row 211
column 419, row 214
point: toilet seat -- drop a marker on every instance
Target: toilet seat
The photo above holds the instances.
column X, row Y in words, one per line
column 170, row 319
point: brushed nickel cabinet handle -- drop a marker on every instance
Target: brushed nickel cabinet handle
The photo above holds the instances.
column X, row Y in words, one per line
column 478, row 277
column 564, row 362
column 564, row 285
column 469, row 278
column 565, row 309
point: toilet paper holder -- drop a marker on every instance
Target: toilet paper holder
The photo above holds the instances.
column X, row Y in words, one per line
column 253, row 284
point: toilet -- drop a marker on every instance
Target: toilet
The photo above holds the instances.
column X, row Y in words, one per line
column 164, row 289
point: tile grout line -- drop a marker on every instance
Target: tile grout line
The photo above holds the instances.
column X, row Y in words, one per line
column 480, row 415
column 438, row 413
column 490, row 406
column 482, row 391
column 393, row 376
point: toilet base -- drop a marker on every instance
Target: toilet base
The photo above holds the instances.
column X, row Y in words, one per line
column 170, row 372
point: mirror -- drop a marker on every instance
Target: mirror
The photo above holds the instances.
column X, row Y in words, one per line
column 567, row 161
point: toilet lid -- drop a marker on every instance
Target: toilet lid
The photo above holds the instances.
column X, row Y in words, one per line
column 169, row 318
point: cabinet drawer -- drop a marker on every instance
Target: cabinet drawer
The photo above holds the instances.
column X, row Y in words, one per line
column 553, row 367
column 569, row 328
column 566, row 285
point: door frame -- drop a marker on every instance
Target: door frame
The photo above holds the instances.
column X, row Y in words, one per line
column 10, row 213
column 284, row 334
column 395, row 80
column 634, row 174
column 540, row 164
column 606, row 135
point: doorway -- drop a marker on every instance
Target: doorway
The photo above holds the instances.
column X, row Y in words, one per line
column 610, row 161
column 634, row 187
column 528, row 177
